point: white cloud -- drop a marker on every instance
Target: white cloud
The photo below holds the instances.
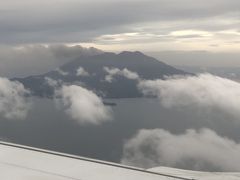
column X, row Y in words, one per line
column 13, row 103
column 190, row 32
column 197, row 150
column 82, row 72
column 61, row 72
column 204, row 91
column 53, row 83
column 83, row 105
column 117, row 72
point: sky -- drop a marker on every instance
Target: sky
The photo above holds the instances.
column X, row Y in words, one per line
column 193, row 28
column 166, row 24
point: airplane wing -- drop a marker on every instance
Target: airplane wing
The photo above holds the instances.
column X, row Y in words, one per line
column 197, row 174
column 26, row 163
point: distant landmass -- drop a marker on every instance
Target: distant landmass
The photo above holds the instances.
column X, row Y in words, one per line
column 90, row 72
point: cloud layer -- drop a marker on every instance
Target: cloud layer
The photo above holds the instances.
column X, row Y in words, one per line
column 146, row 24
column 37, row 59
column 195, row 150
column 112, row 72
column 204, row 91
column 13, row 103
column 83, row 105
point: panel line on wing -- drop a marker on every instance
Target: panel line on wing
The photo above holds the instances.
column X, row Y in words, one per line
column 38, row 170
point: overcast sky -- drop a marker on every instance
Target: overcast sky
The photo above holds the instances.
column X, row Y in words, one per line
column 116, row 25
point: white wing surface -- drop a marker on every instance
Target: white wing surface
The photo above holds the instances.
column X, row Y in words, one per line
column 26, row 163
column 198, row 175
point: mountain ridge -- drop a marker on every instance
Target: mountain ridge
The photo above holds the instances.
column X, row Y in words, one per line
column 94, row 78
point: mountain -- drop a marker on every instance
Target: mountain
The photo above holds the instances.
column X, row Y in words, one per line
column 92, row 74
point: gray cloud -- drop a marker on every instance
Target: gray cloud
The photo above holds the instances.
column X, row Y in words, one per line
column 117, row 72
column 195, row 150
column 83, row 105
column 203, row 92
column 147, row 25
column 13, row 102
column 63, row 52
column 37, row 59
column 74, row 21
